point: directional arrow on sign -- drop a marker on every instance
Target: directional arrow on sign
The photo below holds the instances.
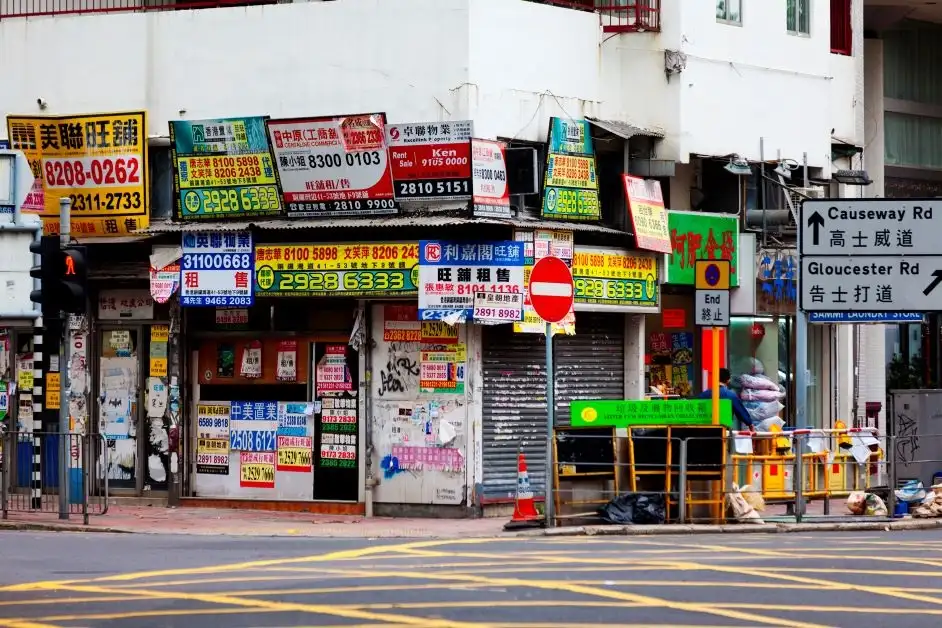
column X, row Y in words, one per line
column 936, row 280
column 815, row 221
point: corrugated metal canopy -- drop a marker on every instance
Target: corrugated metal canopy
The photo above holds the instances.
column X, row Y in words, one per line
column 623, row 129
column 407, row 220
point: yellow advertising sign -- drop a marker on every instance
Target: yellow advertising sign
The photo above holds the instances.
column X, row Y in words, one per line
column 99, row 161
column 367, row 269
column 439, row 332
column 615, row 277
column 648, row 214
column 158, row 367
column 159, row 333
column 571, row 171
column 295, row 454
column 257, row 469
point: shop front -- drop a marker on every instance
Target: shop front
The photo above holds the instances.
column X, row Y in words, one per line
column 591, row 350
column 677, row 351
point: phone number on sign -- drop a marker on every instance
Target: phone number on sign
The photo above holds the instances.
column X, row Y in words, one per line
column 255, row 198
column 350, row 282
column 631, row 290
column 217, row 301
column 109, row 201
column 92, row 172
column 497, row 314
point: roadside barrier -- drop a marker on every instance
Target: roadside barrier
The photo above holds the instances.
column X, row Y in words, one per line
column 29, row 482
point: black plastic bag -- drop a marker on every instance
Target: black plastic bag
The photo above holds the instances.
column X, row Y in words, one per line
column 635, row 508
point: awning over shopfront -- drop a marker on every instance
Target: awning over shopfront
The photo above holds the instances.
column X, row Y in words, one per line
column 402, row 221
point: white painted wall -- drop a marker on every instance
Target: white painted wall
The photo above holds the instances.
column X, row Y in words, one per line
column 740, row 83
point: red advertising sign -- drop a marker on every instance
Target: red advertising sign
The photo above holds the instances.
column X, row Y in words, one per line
column 489, row 171
column 333, row 166
column 431, row 161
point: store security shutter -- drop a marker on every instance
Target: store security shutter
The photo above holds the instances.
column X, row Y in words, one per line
column 514, row 412
column 591, row 364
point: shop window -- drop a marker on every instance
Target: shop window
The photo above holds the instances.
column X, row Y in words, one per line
column 671, row 352
column 160, row 169
column 760, row 363
column 842, row 34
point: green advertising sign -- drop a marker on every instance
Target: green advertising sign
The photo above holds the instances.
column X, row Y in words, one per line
column 634, row 413
column 698, row 235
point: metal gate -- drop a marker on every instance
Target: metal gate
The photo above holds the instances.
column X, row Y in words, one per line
column 589, row 365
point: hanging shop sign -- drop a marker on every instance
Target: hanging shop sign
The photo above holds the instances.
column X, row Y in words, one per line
column 451, row 273
column 489, row 166
column 349, row 269
column 571, row 185
column 216, row 269
column 333, row 166
column 697, row 235
column 538, row 244
column 430, row 161
column 648, row 215
column 608, row 278
column 99, row 161
column 223, row 168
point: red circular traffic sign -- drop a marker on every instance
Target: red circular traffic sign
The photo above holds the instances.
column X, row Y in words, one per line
column 551, row 289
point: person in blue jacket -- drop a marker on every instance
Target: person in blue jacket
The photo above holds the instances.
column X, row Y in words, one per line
column 739, row 410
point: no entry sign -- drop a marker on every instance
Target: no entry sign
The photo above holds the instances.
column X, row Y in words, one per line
column 551, row 289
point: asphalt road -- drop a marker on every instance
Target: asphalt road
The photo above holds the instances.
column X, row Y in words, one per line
column 874, row 580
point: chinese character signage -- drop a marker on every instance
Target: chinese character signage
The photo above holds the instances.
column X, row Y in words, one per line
column 489, row 166
column 431, row 161
column 333, row 166
column 609, row 278
column 223, row 169
column 776, row 281
column 538, row 244
column 99, row 161
column 450, row 274
column 571, row 185
column 216, row 269
column 698, row 235
column 648, row 215
column 337, row 270
column 253, row 425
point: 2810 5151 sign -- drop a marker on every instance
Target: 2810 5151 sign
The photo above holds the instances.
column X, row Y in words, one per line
column 430, row 160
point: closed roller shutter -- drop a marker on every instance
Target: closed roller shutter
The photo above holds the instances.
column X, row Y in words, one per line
column 589, row 365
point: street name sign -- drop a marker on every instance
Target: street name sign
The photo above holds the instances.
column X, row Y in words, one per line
column 872, row 284
column 873, row 226
column 870, row 255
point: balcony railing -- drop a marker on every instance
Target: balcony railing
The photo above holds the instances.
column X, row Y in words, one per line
column 618, row 16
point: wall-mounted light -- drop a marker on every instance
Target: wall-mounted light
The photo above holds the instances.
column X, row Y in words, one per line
column 852, row 177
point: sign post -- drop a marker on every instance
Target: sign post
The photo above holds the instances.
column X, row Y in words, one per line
column 551, row 295
column 712, row 310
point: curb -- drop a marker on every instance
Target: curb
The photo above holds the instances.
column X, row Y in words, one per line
column 570, row 531
column 765, row 528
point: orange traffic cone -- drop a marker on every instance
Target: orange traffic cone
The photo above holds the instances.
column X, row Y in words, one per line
column 525, row 514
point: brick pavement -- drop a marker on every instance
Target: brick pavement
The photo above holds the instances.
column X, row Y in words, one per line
column 231, row 522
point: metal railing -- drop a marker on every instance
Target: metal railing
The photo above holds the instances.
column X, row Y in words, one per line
column 29, row 481
column 617, row 16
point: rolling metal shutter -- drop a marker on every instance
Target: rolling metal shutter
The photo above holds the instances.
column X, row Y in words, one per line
column 589, row 365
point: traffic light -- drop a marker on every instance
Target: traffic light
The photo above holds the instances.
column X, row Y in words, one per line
column 63, row 273
column 73, row 279
column 46, row 272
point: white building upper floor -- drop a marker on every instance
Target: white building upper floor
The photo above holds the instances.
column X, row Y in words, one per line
column 711, row 78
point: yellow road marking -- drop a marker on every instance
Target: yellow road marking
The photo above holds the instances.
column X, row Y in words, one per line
column 320, row 609
column 69, row 600
column 562, row 585
column 12, row 623
column 874, row 610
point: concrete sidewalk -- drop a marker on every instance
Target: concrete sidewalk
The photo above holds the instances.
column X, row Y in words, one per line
column 231, row 522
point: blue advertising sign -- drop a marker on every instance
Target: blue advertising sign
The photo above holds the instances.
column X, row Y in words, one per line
column 865, row 317
column 570, row 137
column 451, row 273
column 253, row 425
column 216, row 269
column 223, row 168
column 4, row 144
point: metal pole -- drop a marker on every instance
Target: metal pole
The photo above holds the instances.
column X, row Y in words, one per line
column 715, row 374
column 682, row 481
column 549, row 507
column 799, row 478
column 65, row 450
column 760, row 191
